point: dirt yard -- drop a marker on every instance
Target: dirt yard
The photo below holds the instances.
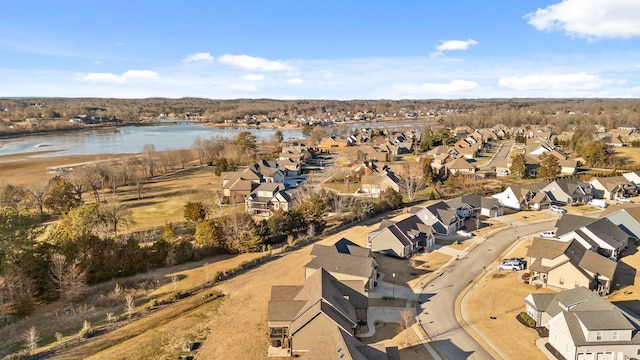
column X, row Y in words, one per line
column 501, row 295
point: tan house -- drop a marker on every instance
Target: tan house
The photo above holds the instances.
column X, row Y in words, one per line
column 567, row 265
column 346, row 261
column 376, row 184
column 236, row 186
column 333, row 141
column 298, row 317
column 460, row 166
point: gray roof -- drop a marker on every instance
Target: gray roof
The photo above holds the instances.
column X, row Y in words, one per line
column 609, row 232
column 344, row 264
column 405, row 229
column 475, row 201
column 598, row 320
column 341, row 345
column 568, row 222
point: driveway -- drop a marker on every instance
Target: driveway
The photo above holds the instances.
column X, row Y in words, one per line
column 437, row 308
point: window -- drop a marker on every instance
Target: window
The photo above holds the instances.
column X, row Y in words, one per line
column 561, row 281
column 599, row 335
column 577, row 284
column 616, row 335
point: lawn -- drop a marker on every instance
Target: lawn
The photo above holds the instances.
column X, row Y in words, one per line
column 500, row 295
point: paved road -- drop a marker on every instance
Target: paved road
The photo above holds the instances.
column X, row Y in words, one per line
column 438, row 298
column 502, row 154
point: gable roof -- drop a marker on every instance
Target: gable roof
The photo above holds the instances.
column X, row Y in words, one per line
column 406, row 231
column 342, row 263
column 343, row 346
column 568, row 223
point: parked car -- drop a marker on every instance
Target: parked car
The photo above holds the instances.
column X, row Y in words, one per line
column 464, row 233
column 547, row 234
column 557, row 209
column 623, row 199
column 510, row 266
column 503, row 173
column 601, row 203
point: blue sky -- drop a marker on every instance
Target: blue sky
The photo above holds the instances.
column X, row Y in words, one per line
column 328, row 49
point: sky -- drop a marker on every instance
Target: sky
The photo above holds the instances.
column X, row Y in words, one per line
column 329, row 49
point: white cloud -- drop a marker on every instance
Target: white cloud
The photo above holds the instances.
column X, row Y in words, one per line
column 253, row 77
column 590, row 19
column 97, row 62
column 438, row 89
column 295, row 81
column 243, row 87
column 140, row 74
column 451, row 45
column 253, row 63
column 199, row 58
column 579, row 81
column 119, row 79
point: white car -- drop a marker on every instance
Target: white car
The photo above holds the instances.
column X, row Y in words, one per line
column 464, row 233
column 547, row 234
column 623, row 199
column 557, row 209
column 507, row 265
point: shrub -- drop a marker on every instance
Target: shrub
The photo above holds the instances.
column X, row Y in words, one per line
column 528, row 319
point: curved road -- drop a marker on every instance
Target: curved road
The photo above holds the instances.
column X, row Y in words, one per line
column 437, row 311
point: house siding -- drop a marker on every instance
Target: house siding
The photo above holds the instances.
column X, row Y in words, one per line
column 312, row 333
column 569, row 274
column 385, row 240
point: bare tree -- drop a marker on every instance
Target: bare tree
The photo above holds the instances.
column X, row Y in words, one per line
column 69, row 279
column 174, row 282
column 31, row 338
column 39, row 192
column 407, row 319
column 412, row 181
column 130, row 304
column 115, row 216
column 58, row 266
column 149, row 151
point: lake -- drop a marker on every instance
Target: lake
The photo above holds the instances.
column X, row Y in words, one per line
column 131, row 139
column 126, row 139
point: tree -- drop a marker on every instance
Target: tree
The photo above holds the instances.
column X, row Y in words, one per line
column 549, row 166
column 519, row 165
column 307, row 130
column 278, row 136
column 222, row 165
column 62, row 196
column 580, row 138
column 12, row 196
column 39, row 192
column 361, row 209
column 412, row 181
column 194, row 211
column 19, row 230
column 130, row 304
column 76, row 223
column 247, row 141
column 391, row 198
column 407, row 319
column 69, row 279
column 595, row 153
column 115, row 216
column 312, row 210
column 210, row 233
column 149, row 151
column 31, row 339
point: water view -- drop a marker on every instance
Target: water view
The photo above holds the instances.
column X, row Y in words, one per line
column 126, row 139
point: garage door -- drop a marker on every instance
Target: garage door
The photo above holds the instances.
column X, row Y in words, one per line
column 585, row 356
column 605, row 356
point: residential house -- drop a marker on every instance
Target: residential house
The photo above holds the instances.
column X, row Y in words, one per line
column 633, row 177
column 338, row 344
column 461, row 167
column 401, row 238
column 443, row 219
column 523, row 197
column 472, row 205
column 345, row 261
column 602, row 236
column 583, row 325
column 567, row 192
column 566, row 265
column 267, row 198
column 300, row 316
column 236, row 186
column 628, row 220
column 333, row 142
column 376, row 184
column 568, row 167
column 609, row 188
